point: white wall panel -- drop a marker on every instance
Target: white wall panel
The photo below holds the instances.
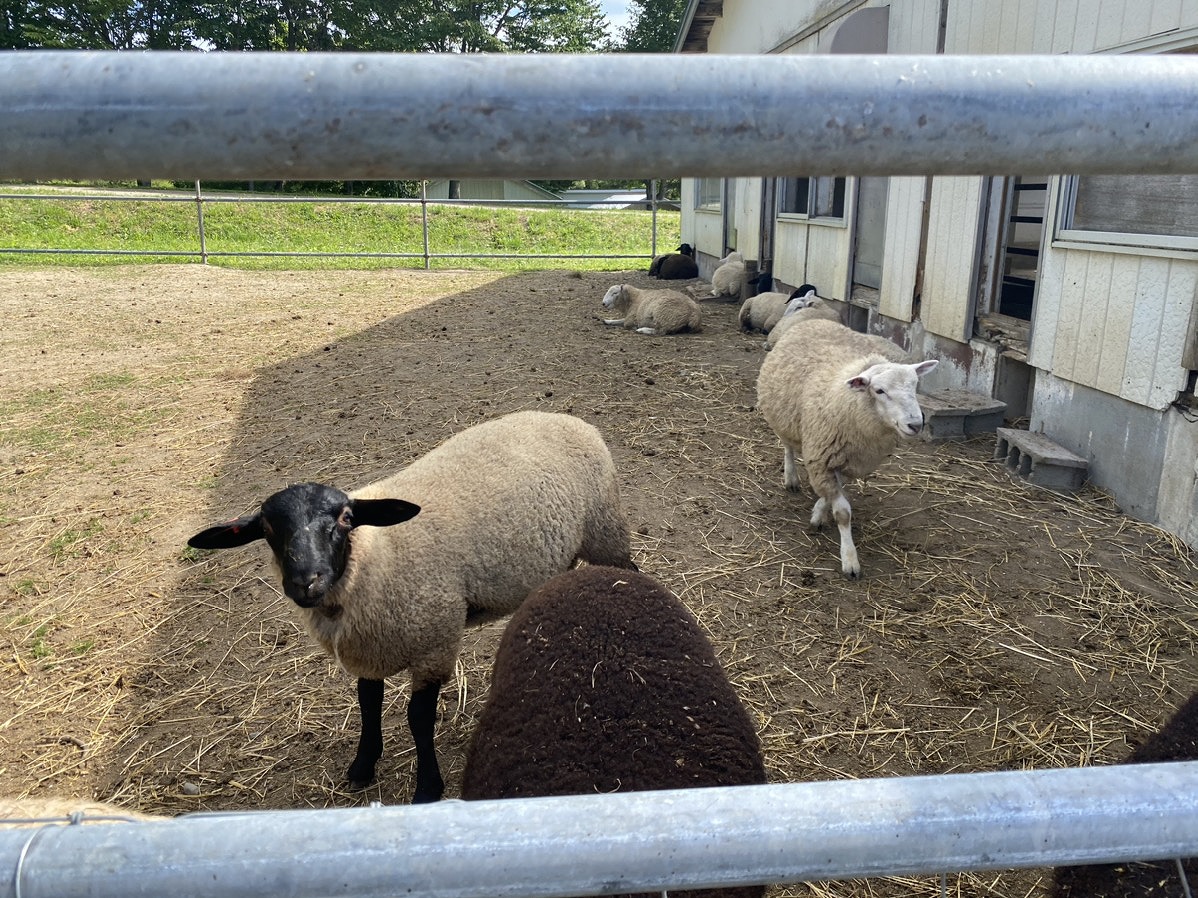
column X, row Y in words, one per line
column 953, row 218
column 1120, row 297
column 900, row 265
column 914, row 26
column 828, row 254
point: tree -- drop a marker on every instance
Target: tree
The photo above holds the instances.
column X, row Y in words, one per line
column 653, row 26
column 103, row 25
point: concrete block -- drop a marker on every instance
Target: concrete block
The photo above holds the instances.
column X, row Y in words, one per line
column 1039, row 460
column 959, row 414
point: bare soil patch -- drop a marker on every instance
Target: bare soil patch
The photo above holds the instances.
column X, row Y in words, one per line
column 997, row 626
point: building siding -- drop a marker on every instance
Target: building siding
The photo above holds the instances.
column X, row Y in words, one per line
column 954, row 214
column 900, row 261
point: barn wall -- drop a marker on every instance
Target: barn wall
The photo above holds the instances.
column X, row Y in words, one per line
column 900, row 263
column 1072, row 26
column 954, row 216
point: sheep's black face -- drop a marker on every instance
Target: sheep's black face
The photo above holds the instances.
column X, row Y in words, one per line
column 308, row 527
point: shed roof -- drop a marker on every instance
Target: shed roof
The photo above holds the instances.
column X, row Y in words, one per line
column 697, row 21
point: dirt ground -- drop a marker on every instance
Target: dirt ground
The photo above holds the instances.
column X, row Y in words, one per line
column 997, row 626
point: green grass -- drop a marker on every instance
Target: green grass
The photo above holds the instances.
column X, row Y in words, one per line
column 325, row 227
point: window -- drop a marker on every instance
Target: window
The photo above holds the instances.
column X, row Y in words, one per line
column 708, row 193
column 1132, row 210
column 812, row 197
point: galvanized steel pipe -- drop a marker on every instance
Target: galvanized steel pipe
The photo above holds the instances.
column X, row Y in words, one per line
column 604, row 844
column 255, row 116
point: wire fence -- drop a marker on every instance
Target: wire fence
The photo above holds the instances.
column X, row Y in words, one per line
column 428, row 206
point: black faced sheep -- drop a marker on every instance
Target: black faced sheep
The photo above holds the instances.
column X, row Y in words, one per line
column 491, row 513
column 676, row 266
column 605, row 682
column 842, row 400
column 652, row 312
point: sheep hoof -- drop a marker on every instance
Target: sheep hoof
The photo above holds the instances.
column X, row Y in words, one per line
column 359, row 776
column 852, row 574
column 428, row 792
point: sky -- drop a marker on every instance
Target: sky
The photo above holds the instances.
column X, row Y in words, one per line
column 617, row 13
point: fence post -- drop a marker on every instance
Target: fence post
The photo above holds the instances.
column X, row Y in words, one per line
column 424, row 219
column 200, row 219
column 653, row 208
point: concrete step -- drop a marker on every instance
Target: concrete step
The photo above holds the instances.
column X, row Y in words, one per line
column 1039, row 460
column 959, row 414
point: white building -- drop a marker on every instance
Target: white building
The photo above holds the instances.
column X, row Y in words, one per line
column 1072, row 299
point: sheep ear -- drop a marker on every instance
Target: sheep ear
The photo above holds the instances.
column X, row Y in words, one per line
column 859, row 383
column 925, row 367
column 382, row 512
column 229, row 535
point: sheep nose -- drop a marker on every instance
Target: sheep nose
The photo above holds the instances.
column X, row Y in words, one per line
column 916, row 427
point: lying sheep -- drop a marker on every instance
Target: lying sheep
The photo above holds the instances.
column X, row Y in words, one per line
column 653, row 312
column 802, row 308
column 763, row 311
column 729, row 277
column 842, row 400
column 491, row 513
column 605, row 682
column 676, row 266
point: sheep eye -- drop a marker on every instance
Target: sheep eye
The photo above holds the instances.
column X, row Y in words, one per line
column 879, row 391
column 345, row 520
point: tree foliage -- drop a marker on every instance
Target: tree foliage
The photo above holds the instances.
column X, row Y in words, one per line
column 446, row 26
column 653, row 25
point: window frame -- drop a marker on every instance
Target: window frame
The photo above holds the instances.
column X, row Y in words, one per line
column 1066, row 233
column 711, row 200
column 815, row 191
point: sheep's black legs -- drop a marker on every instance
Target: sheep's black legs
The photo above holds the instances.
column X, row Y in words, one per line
column 370, row 744
column 422, row 717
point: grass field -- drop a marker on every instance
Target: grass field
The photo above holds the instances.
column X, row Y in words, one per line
column 111, row 231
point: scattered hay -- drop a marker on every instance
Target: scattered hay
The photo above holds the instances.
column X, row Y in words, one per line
column 998, row 626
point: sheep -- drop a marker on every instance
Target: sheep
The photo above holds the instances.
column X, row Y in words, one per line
column 1175, row 740
column 490, row 513
column 676, row 266
column 653, row 312
column 763, row 311
column 801, row 308
column 843, row 400
column 605, row 682
column 729, row 276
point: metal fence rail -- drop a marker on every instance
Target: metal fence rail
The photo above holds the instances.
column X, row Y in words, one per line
column 313, row 116
column 202, row 252
column 630, row 842
column 367, row 117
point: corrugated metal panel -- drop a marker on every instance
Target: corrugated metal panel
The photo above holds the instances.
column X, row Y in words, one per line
column 904, row 217
column 954, row 215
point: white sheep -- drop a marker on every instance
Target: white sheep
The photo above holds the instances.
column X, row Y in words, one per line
column 653, row 312
column 764, row 310
column 490, row 514
column 802, row 308
column 729, row 277
column 842, row 400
